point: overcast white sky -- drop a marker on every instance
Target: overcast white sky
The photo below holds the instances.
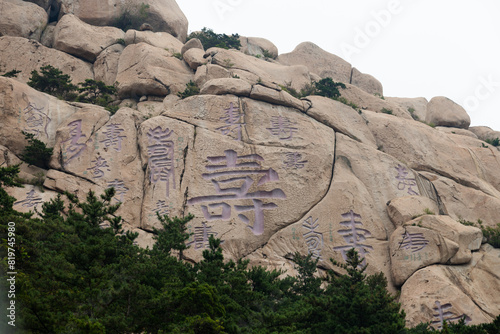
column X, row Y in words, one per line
column 414, row 47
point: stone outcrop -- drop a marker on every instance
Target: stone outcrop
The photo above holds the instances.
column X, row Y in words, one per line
column 83, row 40
column 485, row 132
column 162, row 15
column 22, row 19
column 161, row 40
column 366, row 82
column 260, row 47
column 35, row 55
column 444, row 112
column 417, row 107
column 106, row 64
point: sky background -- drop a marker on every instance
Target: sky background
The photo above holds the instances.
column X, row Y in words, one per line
column 413, row 47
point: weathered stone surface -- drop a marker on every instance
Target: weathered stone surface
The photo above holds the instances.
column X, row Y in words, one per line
column 28, row 55
column 23, row 108
column 26, row 172
column 103, row 150
column 146, row 70
column 194, row 58
column 83, row 40
column 341, row 118
column 162, row 15
column 485, row 132
column 366, row 82
column 30, row 198
column 414, row 247
column 47, row 38
column 444, row 112
column 297, row 76
column 106, row 64
column 164, row 143
column 208, row 72
column 466, row 203
column 278, row 96
column 404, row 209
column 472, row 290
column 22, row 19
column 423, row 148
column 149, row 109
column 161, row 40
column 456, row 131
column 417, row 106
column 371, row 102
column 468, row 238
column 256, row 46
column 60, row 182
column 318, row 61
column 193, row 43
column 224, row 86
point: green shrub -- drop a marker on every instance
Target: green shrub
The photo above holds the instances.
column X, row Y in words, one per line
column 191, row 89
column 36, row 153
column 210, row 39
column 95, row 92
column 495, row 142
column 11, row 74
column 492, row 234
column 328, row 88
column 386, row 111
column 132, row 17
column 412, row 113
column 52, row 81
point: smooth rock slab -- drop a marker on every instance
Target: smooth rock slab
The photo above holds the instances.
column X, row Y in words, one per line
column 22, row 19
column 444, row 112
column 404, row 209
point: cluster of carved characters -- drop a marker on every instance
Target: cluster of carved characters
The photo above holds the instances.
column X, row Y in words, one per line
column 237, row 180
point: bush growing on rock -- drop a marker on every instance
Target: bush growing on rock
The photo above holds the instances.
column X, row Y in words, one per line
column 36, row 153
column 210, row 39
column 132, row 17
column 52, row 81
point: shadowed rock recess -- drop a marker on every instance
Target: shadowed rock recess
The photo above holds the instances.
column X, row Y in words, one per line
column 267, row 171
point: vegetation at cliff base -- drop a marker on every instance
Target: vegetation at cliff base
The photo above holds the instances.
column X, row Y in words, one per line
column 210, row 39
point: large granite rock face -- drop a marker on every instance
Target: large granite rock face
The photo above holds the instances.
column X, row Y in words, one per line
column 162, row 15
column 83, row 40
column 268, row 173
column 444, row 112
column 28, row 55
column 22, row 19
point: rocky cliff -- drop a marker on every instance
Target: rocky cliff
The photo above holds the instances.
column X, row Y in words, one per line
column 268, row 173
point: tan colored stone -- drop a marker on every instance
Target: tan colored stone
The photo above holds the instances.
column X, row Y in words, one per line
column 341, row 118
column 417, row 107
column 456, row 131
column 161, row 40
column 28, row 173
column 146, row 70
column 23, row 108
column 162, row 15
column 163, row 144
column 280, row 97
column 404, row 209
column 28, row 55
column 194, row 58
column 485, row 132
column 371, row 102
column 30, row 198
column 318, row 61
column 106, row 64
column 444, row 112
column 466, row 203
column 414, row 247
column 224, row 86
column 296, row 76
column 150, row 109
column 208, row 72
column 61, row 182
column 472, row 290
column 256, row 46
column 468, row 238
column 193, row 43
column 22, row 19
column 47, row 38
column 366, row 82
column 104, row 150
column 82, row 40
column 423, row 148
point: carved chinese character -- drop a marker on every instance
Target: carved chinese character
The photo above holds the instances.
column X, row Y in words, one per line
column 162, row 208
column 313, row 238
column 282, row 127
column 201, row 236
column 414, row 241
column 234, row 121
column 75, row 135
column 232, row 181
column 120, row 189
column 443, row 314
column 353, row 235
column 161, row 156
column 36, row 120
column 113, row 136
column 294, row 160
column 405, row 181
column 31, row 200
column 96, row 169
